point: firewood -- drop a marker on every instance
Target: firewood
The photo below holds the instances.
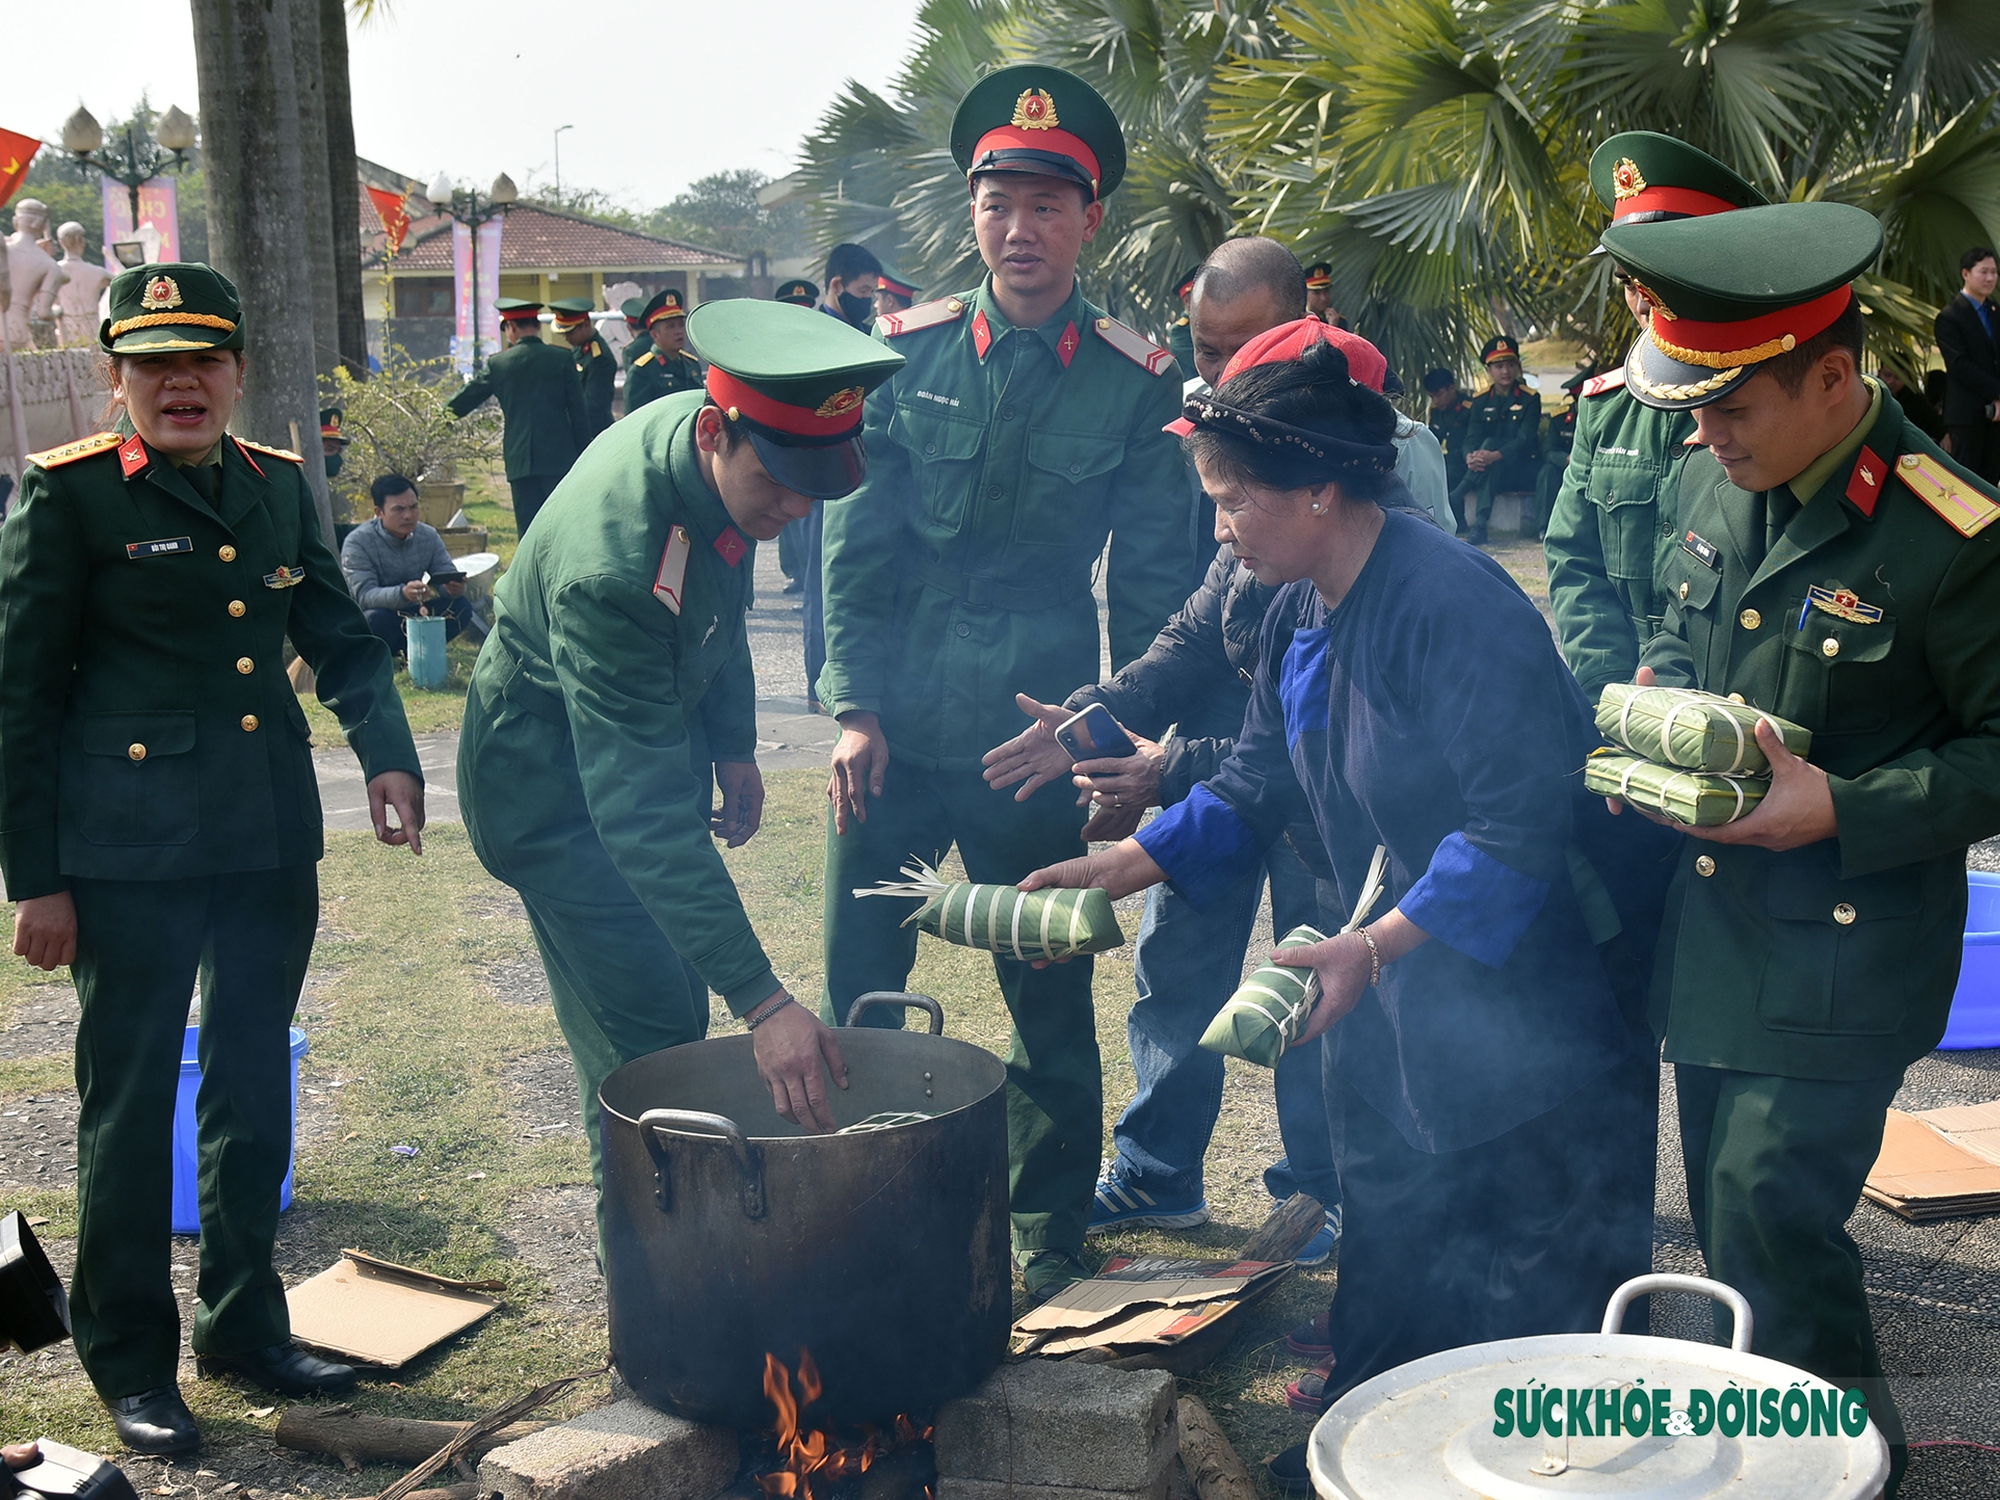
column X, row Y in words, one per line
column 449, row 1492
column 360, row 1437
column 1285, row 1233
column 1211, row 1462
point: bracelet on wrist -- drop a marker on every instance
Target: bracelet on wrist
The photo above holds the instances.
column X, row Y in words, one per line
column 757, row 1018
column 1374, row 958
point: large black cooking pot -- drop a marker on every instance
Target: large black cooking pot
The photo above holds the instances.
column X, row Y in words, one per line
column 730, row 1233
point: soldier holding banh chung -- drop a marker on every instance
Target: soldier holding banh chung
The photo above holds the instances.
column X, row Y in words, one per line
column 1835, row 568
column 1024, row 428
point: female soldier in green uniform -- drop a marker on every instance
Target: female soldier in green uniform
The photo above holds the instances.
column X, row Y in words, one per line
column 159, row 816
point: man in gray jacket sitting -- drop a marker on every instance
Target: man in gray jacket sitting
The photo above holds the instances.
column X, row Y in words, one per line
column 387, row 560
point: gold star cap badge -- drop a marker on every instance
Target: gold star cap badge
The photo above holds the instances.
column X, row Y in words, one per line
column 161, row 292
column 1627, row 181
column 1035, row 110
column 841, row 402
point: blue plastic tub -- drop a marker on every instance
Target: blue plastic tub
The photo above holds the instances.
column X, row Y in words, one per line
column 187, row 1163
column 1975, row 1009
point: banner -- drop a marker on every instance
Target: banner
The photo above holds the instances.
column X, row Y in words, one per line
column 16, row 151
column 393, row 210
column 486, row 295
column 159, row 226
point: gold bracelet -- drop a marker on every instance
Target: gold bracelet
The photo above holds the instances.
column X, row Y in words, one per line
column 1374, row 958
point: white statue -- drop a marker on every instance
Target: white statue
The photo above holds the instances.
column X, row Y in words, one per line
column 35, row 278
column 77, row 303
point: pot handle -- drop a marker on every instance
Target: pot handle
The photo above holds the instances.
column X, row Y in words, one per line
column 693, row 1122
column 896, row 997
column 1701, row 1286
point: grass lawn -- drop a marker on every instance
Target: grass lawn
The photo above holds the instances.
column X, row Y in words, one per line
column 429, row 1027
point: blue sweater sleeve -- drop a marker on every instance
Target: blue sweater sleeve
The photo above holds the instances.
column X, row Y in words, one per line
column 1468, row 900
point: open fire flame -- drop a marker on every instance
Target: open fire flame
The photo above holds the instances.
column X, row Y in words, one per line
column 810, row 1460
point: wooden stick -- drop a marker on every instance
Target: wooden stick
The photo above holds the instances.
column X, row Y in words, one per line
column 494, row 1421
column 1211, row 1462
column 1285, row 1233
column 356, row 1437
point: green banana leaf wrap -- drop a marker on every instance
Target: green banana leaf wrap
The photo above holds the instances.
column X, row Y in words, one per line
column 1693, row 730
column 1026, row 925
column 1700, row 799
column 1269, row 1009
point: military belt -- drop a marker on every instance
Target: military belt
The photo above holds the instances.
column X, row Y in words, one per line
column 991, row 593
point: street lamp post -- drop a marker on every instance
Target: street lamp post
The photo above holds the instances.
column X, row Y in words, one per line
column 469, row 209
column 557, row 139
column 144, row 159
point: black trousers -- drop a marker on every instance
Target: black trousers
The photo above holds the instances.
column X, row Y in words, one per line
column 530, row 492
column 140, row 946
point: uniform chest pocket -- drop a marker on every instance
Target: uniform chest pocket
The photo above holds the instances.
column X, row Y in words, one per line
column 1069, row 475
column 1692, row 585
column 1837, row 675
column 1839, row 960
column 943, row 453
column 141, row 783
column 1625, row 491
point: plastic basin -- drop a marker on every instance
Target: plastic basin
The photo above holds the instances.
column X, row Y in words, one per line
column 1975, row 1008
column 187, row 1161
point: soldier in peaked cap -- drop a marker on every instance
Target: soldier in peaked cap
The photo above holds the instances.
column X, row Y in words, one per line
column 541, row 404
column 894, row 293
column 1612, row 527
column 1319, row 295
column 634, row 309
column 665, row 366
column 332, row 441
column 798, row 291
column 596, row 366
column 159, row 820
column 1180, row 336
column 1835, row 568
column 1024, row 429
column 618, row 674
column 1503, row 426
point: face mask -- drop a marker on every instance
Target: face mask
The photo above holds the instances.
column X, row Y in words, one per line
column 860, row 311
column 333, row 464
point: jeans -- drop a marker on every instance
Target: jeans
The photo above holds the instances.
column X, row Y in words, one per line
column 1186, row 965
column 388, row 623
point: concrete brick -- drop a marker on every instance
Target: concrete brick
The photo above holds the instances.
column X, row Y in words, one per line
column 1063, row 1426
column 624, row 1451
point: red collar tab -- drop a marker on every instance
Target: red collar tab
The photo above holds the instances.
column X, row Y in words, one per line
column 838, row 416
column 1864, row 485
column 1066, row 345
column 982, row 333
column 132, row 457
column 731, row 545
column 247, row 458
column 1671, row 200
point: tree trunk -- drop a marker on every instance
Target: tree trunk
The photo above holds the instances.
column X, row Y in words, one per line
column 321, row 269
column 345, row 176
column 256, row 216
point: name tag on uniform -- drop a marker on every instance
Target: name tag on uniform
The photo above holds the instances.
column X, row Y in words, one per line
column 285, row 578
column 161, row 548
column 1701, row 548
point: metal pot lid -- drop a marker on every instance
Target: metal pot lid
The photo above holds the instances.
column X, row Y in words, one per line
column 1440, row 1427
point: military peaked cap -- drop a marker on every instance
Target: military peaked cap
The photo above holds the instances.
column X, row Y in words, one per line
column 176, row 305
column 1031, row 118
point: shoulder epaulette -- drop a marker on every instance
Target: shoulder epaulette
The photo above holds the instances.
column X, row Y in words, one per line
column 274, row 452
column 1964, row 506
column 649, row 354
column 69, row 453
column 1610, row 380
column 923, row 315
column 1134, row 345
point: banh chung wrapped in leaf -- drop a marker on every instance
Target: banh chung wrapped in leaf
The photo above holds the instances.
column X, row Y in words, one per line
column 1270, row 1009
column 1693, row 730
column 1700, row 799
column 1027, row 925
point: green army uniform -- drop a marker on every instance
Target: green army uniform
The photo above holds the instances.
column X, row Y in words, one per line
column 959, row 574
column 655, row 373
column 155, row 763
column 634, row 309
column 1448, row 427
column 618, row 672
column 1612, row 532
column 596, row 367
column 793, row 541
column 541, row 404
column 1557, row 444
column 1180, row 333
column 1508, row 422
column 1860, row 600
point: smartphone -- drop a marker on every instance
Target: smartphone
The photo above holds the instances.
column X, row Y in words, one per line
column 1095, row 735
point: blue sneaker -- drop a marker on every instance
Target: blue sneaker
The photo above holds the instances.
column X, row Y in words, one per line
column 1320, row 1246
column 1122, row 1203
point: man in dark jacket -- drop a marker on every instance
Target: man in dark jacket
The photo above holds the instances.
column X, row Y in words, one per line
column 1968, row 336
column 540, row 399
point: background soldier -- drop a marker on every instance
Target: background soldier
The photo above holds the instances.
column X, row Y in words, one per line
column 1180, row 334
column 1556, row 448
column 1319, row 295
column 799, row 292
column 634, row 309
column 1502, row 436
column 894, row 293
column 665, row 366
column 596, row 367
column 1447, row 424
column 541, row 404
column 1025, row 427
column 1614, row 523
column 1835, row 569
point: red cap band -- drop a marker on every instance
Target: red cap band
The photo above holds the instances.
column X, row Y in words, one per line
column 669, row 311
column 1723, row 346
column 1670, row 200
column 567, row 321
column 1056, row 142
column 521, row 315
column 731, row 393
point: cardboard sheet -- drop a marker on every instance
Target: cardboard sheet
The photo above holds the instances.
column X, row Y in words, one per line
column 1153, row 1280
column 378, row 1313
column 1940, row 1163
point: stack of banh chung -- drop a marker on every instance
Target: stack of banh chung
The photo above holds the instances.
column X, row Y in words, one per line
column 1686, row 755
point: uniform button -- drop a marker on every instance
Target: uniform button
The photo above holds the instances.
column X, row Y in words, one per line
column 994, row 492
column 226, row 552
column 964, row 630
column 1844, row 914
column 1750, row 619
column 1704, row 865
column 1684, row 593
column 930, row 449
column 245, row 665
column 1830, row 646
column 1006, row 413
column 1738, row 698
column 249, row 723
column 136, row 752
column 1076, row 468
column 237, row 608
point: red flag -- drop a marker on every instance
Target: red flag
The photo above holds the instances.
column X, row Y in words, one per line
column 395, row 217
column 16, row 151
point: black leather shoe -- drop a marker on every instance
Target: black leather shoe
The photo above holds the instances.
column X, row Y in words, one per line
column 282, row 1368
column 155, row 1421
